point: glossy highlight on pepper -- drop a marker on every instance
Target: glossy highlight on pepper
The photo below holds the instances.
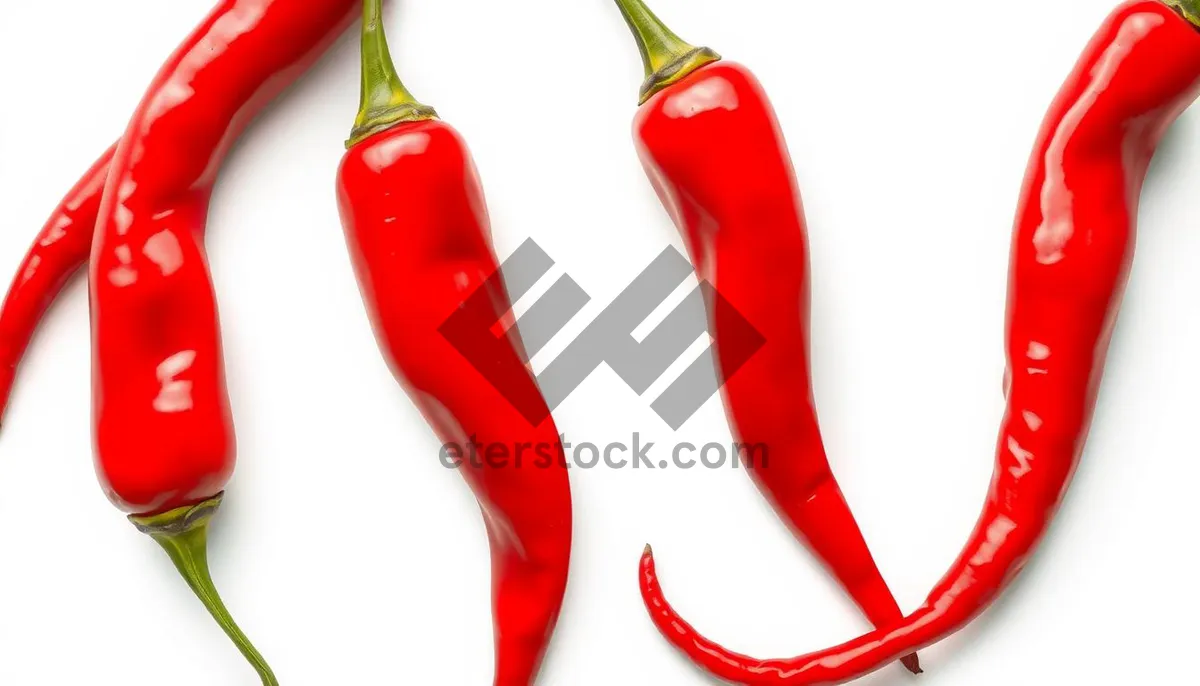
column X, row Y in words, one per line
column 164, row 436
column 712, row 147
column 1072, row 249
column 418, row 233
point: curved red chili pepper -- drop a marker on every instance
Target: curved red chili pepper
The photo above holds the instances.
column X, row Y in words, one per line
column 712, row 147
column 164, row 438
column 58, row 252
column 1073, row 245
column 417, row 228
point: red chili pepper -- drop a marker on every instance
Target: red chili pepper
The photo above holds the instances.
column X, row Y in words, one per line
column 712, row 146
column 59, row 250
column 163, row 431
column 1073, row 245
column 418, row 231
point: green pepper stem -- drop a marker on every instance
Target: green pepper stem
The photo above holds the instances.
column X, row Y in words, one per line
column 1190, row 9
column 385, row 101
column 183, row 533
column 668, row 58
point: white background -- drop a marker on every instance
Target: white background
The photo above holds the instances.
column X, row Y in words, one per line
column 351, row 557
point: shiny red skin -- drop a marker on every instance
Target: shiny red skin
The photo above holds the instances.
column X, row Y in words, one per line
column 58, row 252
column 417, row 228
column 713, row 149
column 163, row 432
column 1072, row 249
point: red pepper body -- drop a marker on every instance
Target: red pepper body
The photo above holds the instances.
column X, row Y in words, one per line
column 164, row 437
column 1071, row 253
column 59, row 250
column 713, row 149
column 418, row 232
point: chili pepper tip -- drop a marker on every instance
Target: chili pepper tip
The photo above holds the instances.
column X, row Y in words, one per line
column 912, row 663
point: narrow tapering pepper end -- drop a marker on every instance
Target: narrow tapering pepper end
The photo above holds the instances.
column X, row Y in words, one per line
column 912, row 664
column 385, row 101
column 183, row 533
column 668, row 58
